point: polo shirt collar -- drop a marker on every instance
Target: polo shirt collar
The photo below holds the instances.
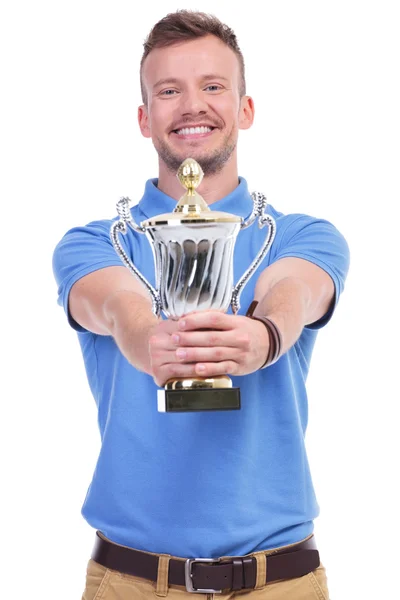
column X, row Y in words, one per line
column 155, row 202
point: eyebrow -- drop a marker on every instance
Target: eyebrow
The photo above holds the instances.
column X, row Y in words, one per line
column 174, row 80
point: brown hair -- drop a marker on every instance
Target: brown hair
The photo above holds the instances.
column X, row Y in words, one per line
column 184, row 25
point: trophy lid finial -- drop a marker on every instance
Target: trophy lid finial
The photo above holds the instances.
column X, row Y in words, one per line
column 190, row 174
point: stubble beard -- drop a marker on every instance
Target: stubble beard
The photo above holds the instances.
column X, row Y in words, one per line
column 212, row 162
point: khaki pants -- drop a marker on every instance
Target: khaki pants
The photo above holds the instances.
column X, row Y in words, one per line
column 105, row 584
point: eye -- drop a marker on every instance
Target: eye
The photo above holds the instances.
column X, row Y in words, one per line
column 214, row 87
column 169, row 92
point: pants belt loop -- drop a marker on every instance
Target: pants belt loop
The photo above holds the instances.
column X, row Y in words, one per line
column 162, row 575
column 261, row 578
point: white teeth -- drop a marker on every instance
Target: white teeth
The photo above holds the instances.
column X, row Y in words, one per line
column 193, row 130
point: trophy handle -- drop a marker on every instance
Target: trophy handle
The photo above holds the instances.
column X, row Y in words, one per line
column 121, row 227
column 259, row 207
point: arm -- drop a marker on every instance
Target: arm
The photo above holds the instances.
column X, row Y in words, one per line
column 100, row 295
column 292, row 291
column 110, row 301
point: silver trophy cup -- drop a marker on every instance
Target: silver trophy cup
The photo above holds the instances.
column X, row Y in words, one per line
column 193, row 254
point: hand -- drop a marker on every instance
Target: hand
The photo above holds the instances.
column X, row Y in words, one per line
column 212, row 343
column 164, row 361
column 206, row 344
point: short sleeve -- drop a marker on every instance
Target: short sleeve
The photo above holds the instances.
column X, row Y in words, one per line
column 81, row 251
column 319, row 242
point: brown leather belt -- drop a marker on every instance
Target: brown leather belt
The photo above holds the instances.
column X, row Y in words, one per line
column 209, row 575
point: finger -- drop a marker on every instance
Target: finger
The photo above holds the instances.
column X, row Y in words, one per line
column 160, row 342
column 165, row 327
column 173, row 371
column 208, row 355
column 210, row 338
column 227, row 367
column 206, row 319
column 160, row 359
column 168, row 326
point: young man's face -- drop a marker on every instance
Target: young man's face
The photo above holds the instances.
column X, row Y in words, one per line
column 193, row 106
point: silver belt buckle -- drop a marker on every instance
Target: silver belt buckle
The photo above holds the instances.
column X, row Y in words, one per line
column 189, row 575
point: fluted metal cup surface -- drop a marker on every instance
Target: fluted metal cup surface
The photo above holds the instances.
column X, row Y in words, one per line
column 194, row 266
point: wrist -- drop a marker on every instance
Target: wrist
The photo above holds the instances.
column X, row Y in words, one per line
column 274, row 335
column 131, row 323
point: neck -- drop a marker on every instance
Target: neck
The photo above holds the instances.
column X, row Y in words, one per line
column 212, row 188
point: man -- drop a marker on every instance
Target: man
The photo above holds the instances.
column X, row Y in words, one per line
column 172, row 487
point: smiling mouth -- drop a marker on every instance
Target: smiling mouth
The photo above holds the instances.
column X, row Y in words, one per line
column 187, row 131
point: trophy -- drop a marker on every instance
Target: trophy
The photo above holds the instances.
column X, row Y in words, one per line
column 193, row 254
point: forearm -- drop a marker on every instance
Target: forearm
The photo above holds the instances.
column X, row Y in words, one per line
column 110, row 301
column 130, row 321
column 289, row 304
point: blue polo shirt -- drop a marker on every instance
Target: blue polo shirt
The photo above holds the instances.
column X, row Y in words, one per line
column 203, row 484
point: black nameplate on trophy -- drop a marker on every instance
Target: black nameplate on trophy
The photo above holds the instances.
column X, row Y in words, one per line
column 201, row 400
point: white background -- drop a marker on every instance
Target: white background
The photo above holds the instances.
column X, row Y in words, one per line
column 325, row 80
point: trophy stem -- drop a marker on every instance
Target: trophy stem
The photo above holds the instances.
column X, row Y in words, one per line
column 181, row 383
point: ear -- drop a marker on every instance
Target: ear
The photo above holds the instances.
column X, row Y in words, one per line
column 144, row 121
column 246, row 112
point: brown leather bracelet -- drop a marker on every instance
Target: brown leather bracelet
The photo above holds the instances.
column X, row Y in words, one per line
column 275, row 336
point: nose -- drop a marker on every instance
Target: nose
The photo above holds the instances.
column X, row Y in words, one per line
column 193, row 102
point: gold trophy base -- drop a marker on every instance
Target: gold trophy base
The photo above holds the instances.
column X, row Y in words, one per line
column 192, row 395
